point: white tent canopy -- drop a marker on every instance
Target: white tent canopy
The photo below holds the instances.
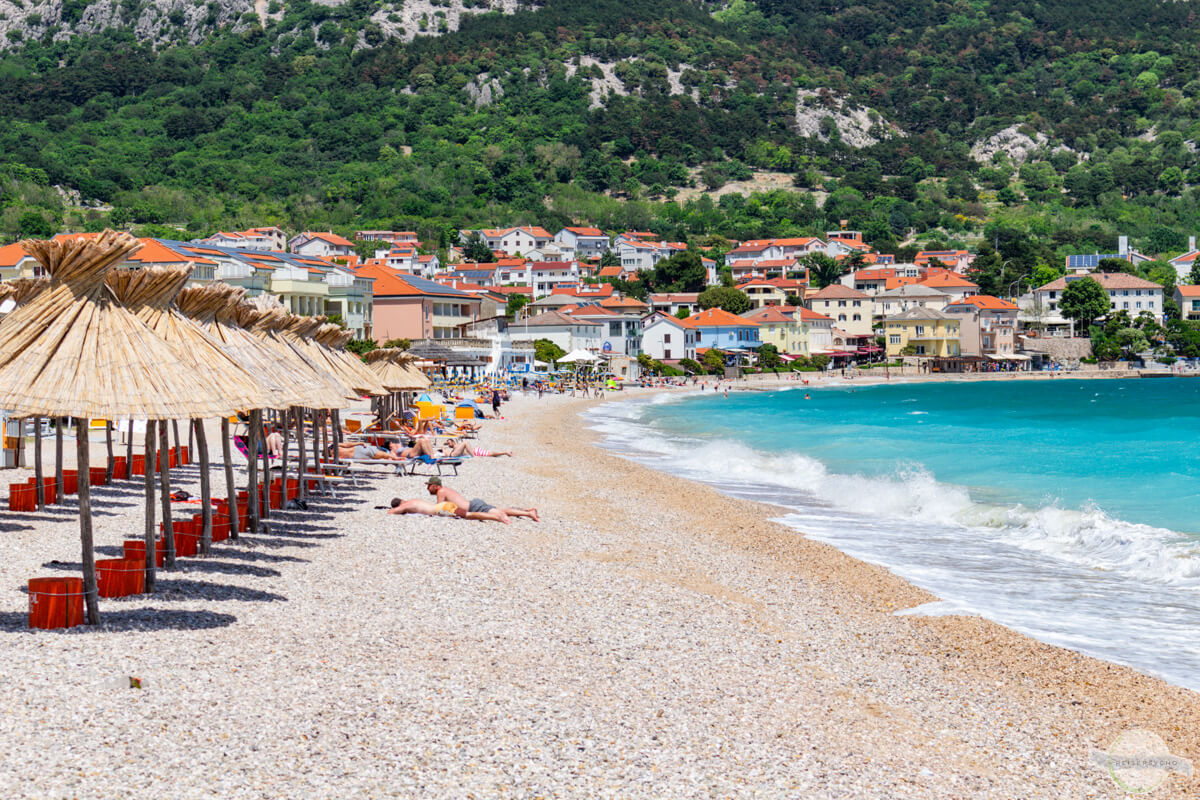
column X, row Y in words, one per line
column 576, row 356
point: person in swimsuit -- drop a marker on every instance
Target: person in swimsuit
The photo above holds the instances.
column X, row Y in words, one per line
column 476, row 508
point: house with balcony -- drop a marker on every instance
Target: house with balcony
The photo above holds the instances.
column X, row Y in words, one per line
column 15, row 263
column 390, row 237
column 779, row 325
column 564, row 330
column 621, row 332
column 956, row 260
column 987, row 327
column 269, row 238
column 410, row 307
column 953, row 284
column 544, row 276
column 1125, row 293
column 321, row 245
column 910, row 295
column 719, row 329
column 665, row 338
column 772, row 291
column 930, row 331
column 583, row 242
column 351, row 297
column 851, row 310
column 513, row 241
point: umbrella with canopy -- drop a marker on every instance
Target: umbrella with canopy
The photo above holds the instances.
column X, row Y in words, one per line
column 577, row 356
column 150, row 293
column 74, row 351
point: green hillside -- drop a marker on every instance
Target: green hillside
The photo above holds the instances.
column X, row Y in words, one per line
column 321, row 120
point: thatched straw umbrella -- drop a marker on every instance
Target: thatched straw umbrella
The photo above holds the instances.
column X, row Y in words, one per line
column 397, row 373
column 20, row 291
column 265, row 318
column 215, row 309
column 150, row 294
column 74, row 351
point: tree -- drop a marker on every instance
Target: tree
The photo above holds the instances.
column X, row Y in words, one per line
column 611, row 258
column 714, row 362
column 768, row 356
column 361, row 347
column 682, row 272
column 35, row 226
column 1084, row 301
column 402, row 344
column 475, row 249
column 548, row 351
column 682, row 313
column 822, row 270
column 516, row 302
column 734, row 301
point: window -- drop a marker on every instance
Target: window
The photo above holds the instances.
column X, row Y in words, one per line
column 841, row 303
column 841, row 317
column 667, row 339
column 920, row 349
column 1126, row 293
column 1139, row 303
column 858, row 317
column 1126, row 304
column 894, row 338
column 857, row 303
column 666, row 353
column 920, row 330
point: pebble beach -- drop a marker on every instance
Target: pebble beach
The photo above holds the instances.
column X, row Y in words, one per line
column 649, row 637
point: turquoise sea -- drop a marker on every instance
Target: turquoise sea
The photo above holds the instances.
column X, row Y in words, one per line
column 1066, row 509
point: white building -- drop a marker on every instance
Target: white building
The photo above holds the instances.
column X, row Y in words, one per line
column 543, row 276
column 565, row 331
column 665, row 338
column 1125, row 293
column 910, row 295
column 321, row 245
column 583, row 242
column 850, row 309
column 514, row 241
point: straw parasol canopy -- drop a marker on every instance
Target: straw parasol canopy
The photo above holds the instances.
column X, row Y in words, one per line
column 150, row 294
column 214, row 309
column 299, row 331
column 74, row 351
column 396, row 371
column 347, row 367
column 326, row 390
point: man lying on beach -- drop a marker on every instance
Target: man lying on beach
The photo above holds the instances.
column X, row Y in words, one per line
column 418, row 506
column 455, row 448
column 476, row 509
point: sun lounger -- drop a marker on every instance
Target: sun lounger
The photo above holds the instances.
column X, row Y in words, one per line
column 413, row 464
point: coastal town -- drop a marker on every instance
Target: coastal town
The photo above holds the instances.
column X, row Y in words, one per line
column 755, row 305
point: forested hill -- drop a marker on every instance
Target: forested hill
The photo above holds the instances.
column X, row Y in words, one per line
column 1065, row 120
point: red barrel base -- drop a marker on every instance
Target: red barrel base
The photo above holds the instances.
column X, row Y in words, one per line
column 55, row 602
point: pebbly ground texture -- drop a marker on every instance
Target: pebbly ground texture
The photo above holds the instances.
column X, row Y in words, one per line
column 649, row 638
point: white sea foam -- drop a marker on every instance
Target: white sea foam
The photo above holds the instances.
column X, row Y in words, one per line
column 1053, row 572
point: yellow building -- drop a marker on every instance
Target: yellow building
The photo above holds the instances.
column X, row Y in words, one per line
column 779, row 328
column 930, row 332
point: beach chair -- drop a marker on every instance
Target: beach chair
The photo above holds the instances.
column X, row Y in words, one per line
column 413, row 464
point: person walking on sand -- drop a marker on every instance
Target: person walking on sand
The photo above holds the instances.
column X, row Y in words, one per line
column 476, row 508
column 496, row 402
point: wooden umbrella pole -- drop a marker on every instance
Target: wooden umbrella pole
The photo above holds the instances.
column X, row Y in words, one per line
column 129, row 452
column 205, row 487
column 175, row 430
column 252, row 461
column 148, row 534
column 283, row 462
column 37, row 463
column 164, row 489
column 335, row 428
column 230, row 485
column 82, row 459
column 301, row 456
column 324, row 448
column 266, row 466
column 191, row 441
column 108, row 466
column 58, row 459
column 316, row 446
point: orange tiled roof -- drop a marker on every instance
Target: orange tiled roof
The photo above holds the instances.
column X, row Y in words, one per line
column 12, row 254
column 717, row 317
column 986, row 302
column 943, row 280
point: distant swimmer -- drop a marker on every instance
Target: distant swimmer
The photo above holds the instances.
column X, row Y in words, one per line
column 807, row 396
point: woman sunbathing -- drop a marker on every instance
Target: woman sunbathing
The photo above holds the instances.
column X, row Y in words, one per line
column 456, row 448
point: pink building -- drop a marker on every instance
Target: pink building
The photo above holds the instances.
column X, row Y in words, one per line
column 409, row 307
